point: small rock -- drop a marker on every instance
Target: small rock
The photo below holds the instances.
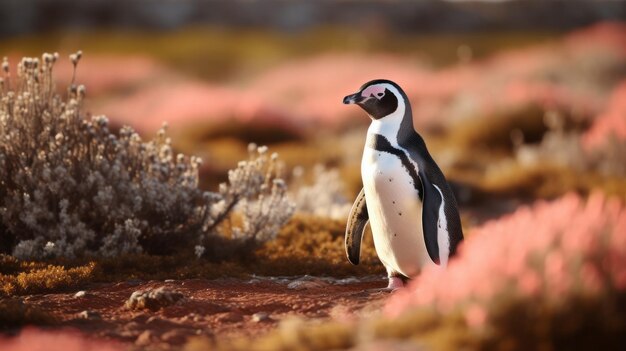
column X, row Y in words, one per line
column 153, row 299
column 302, row 284
column 169, row 280
column 260, row 317
column 81, row 293
column 346, row 281
column 86, row 314
column 145, row 338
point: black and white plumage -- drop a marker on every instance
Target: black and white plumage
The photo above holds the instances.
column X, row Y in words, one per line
column 405, row 197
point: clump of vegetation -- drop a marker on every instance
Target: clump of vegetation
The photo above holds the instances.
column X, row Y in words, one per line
column 69, row 187
column 314, row 245
column 552, row 274
column 324, row 196
column 19, row 278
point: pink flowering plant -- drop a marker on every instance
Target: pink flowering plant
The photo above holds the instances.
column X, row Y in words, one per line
column 551, row 274
column 71, row 187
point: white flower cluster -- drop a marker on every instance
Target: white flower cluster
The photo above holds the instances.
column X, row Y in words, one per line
column 70, row 187
column 259, row 194
column 324, row 197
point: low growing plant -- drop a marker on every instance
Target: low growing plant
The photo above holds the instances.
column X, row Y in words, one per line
column 70, row 187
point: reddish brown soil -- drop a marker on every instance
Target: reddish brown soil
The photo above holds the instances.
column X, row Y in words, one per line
column 212, row 308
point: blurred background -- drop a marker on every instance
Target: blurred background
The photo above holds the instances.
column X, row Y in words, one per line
column 516, row 99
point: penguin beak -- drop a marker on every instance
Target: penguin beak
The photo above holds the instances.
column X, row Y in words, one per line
column 353, row 99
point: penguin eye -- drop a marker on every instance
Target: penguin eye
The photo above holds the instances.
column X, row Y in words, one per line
column 380, row 95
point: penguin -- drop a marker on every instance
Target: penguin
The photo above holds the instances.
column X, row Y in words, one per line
column 411, row 210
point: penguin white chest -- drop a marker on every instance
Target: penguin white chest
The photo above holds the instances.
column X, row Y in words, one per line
column 395, row 212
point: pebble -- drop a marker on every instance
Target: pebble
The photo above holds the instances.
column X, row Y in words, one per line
column 86, row 314
column 306, row 284
column 260, row 317
column 81, row 293
column 153, row 299
column 169, row 281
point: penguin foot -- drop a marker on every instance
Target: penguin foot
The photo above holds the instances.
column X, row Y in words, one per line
column 395, row 283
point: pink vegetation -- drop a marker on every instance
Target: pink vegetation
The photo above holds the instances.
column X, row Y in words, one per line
column 105, row 73
column 308, row 91
column 611, row 123
column 313, row 88
column 188, row 103
column 550, row 251
column 37, row 340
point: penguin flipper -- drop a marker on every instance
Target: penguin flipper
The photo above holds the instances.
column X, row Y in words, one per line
column 432, row 199
column 357, row 220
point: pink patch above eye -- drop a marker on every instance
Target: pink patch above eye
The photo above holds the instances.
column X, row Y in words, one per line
column 374, row 90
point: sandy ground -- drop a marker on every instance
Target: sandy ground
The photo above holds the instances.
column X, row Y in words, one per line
column 211, row 308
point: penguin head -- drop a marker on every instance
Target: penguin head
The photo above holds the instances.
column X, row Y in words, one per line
column 379, row 98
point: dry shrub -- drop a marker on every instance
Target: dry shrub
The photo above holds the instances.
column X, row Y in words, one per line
column 548, row 165
column 599, row 150
column 323, row 196
column 494, row 132
column 37, row 279
column 314, row 245
column 71, row 187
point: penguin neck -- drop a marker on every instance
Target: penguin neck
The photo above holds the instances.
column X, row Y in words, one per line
column 396, row 127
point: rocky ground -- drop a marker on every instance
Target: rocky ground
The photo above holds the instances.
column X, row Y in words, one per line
column 165, row 314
